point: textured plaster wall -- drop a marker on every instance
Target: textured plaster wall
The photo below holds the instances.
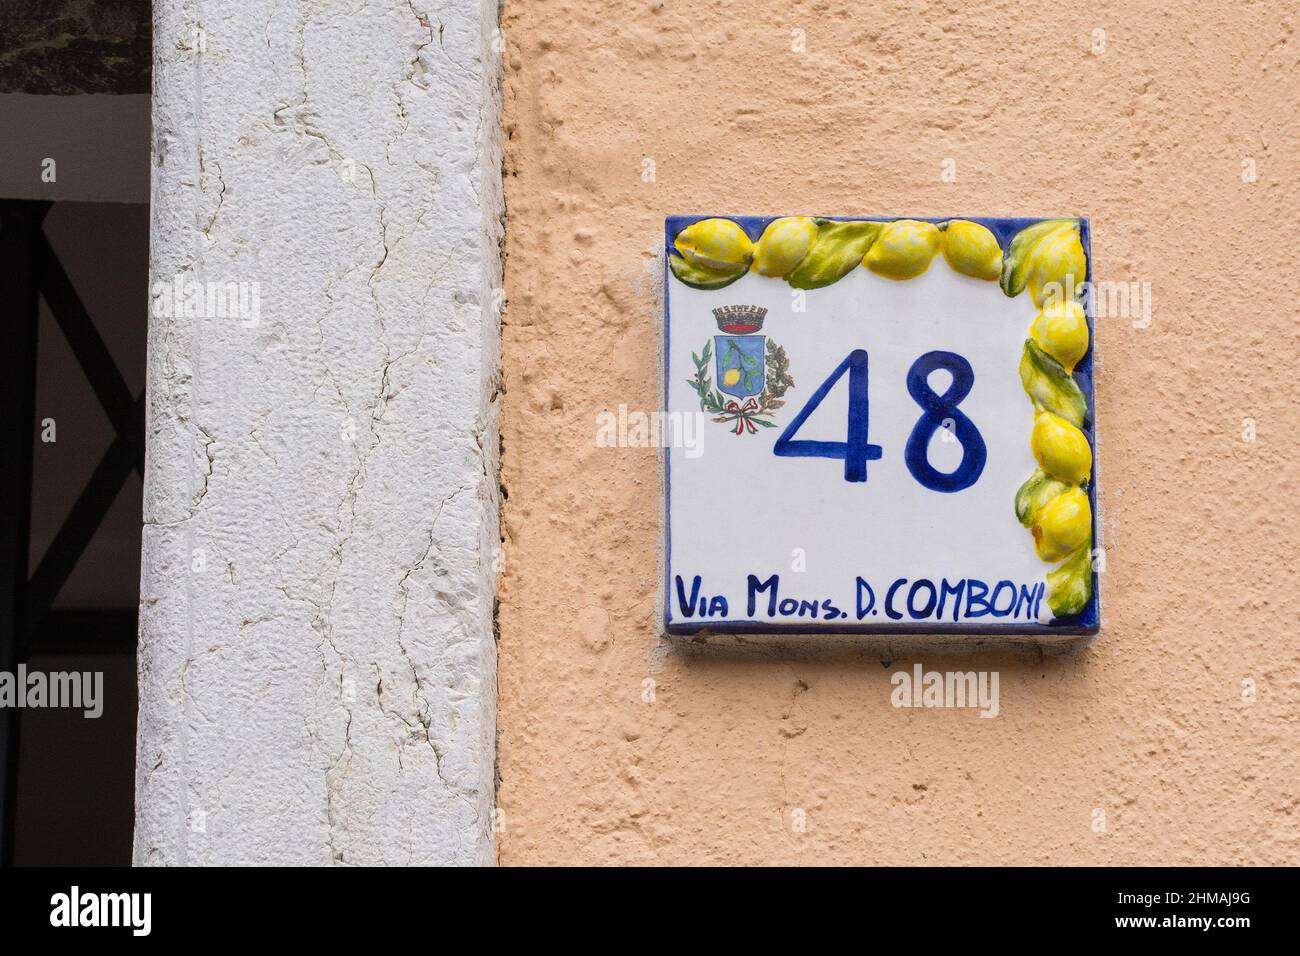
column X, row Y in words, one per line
column 1149, row 726
column 317, row 666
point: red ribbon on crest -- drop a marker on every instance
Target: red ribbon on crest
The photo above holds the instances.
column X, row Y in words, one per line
column 743, row 413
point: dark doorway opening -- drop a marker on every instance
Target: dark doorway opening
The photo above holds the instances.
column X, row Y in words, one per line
column 76, row 278
column 74, row 263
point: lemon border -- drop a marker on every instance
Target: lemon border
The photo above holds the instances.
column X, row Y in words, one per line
column 1008, row 265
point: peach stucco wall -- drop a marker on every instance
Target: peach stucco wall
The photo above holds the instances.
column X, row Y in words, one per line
column 1147, row 137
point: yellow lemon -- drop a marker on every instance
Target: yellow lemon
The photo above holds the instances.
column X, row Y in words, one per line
column 1057, row 266
column 715, row 244
column 972, row 250
column 1063, row 526
column 903, row 250
column 1061, row 330
column 731, row 376
column 1061, row 449
column 783, row 245
column 1069, row 587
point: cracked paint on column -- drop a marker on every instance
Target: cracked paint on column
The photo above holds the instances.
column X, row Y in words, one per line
column 317, row 663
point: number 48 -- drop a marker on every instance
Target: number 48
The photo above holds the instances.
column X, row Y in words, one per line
column 937, row 411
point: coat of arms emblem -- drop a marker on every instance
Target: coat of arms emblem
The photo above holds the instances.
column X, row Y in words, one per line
column 753, row 371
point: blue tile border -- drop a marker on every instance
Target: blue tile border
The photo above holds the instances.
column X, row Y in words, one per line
column 1087, row 622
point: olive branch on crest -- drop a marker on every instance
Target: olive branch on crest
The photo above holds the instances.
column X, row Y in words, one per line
column 711, row 399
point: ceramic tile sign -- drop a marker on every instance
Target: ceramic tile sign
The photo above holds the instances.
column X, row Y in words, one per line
column 895, row 426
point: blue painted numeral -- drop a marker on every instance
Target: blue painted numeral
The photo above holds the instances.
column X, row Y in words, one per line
column 855, row 452
column 938, row 410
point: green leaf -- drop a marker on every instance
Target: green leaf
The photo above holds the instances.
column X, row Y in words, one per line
column 701, row 277
column 1034, row 493
column 837, row 250
column 1015, row 264
column 1051, row 386
column 1069, row 587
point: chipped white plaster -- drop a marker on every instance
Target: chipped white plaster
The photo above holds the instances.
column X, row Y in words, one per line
column 317, row 661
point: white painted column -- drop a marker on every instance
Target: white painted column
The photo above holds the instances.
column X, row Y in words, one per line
column 317, row 658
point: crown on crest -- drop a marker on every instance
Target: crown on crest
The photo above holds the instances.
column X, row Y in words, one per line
column 740, row 319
